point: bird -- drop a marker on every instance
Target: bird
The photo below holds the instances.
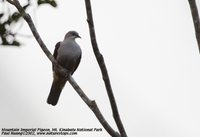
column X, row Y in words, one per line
column 68, row 55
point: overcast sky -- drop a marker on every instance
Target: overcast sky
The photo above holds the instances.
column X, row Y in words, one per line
column 152, row 58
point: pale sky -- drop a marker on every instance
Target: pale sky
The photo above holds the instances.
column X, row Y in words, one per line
column 152, row 58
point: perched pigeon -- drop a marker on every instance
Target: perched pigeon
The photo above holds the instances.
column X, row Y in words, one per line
column 68, row 55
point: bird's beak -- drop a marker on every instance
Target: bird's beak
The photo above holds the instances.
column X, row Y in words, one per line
column 79, row 36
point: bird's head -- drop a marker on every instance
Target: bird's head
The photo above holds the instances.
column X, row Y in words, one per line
column 72, row 35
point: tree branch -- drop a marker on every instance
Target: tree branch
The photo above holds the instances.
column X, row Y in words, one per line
column 196, row 21
column 91, row 104
column 103, row 68
column 11, row 2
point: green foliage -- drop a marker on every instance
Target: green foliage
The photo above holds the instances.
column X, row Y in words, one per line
column 51, row 2
column 7, row 20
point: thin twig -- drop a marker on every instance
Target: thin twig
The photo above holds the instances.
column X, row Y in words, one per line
column 103, row 68
column 91, row 104
column 196, row 21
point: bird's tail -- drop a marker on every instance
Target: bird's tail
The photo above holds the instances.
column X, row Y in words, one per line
column 55, row 91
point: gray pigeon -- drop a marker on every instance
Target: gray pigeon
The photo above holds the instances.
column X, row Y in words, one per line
column 68, row 55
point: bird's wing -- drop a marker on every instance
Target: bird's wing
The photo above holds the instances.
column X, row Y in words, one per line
column 55, row 53
column 77, row 63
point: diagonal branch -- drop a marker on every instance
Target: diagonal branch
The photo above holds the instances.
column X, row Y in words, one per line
column 103, row 68
column 91, row 104
column 196, row 21
column 11, row 2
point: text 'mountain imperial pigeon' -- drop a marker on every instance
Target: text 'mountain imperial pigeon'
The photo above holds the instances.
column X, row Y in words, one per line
column 68, row 55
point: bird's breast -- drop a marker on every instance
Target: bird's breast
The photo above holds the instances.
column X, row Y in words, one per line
column 68, row 55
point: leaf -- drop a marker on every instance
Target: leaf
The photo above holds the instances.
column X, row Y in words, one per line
column 26, row 6
column 15, row 16
column 1, row 15
column 15, row 43
column 5, row 42
column 51, row 2
column 2, row 29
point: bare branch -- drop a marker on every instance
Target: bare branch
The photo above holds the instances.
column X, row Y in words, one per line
column 91, row 104
column 103, row 68
column 196, row 21
column 11, row 2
